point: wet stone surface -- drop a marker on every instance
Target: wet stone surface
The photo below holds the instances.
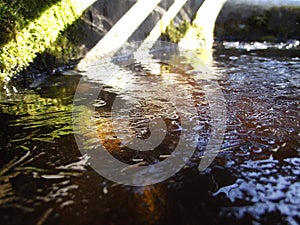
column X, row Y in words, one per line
column 254, row 179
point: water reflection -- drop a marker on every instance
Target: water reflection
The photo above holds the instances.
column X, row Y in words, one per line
column 36, row 165
column 151, row 204
column 254, row 179
column 263, row 95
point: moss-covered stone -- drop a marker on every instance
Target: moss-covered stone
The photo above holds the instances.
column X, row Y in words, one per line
column 175, row 32
column 16, row 14
column 37, row 35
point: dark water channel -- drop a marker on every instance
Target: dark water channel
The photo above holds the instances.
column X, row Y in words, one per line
column 255, row 179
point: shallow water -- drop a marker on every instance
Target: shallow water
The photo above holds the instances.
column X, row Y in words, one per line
column 254, row 179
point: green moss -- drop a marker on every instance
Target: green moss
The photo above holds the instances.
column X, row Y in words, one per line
column 67, row 45
column 39, row 34
column 15, row 15
column 197, row 33
column 192, row 36
column 175, row 33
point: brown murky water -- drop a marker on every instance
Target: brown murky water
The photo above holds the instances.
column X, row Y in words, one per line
column 255, row 178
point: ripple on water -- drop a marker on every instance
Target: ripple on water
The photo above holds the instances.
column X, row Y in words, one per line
column 260, row 151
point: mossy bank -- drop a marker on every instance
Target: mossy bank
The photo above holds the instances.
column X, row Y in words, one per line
column 29, row 27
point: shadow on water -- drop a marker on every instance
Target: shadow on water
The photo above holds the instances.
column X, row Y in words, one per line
column 254, row 179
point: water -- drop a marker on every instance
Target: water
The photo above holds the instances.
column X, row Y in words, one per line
column 254, row 179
